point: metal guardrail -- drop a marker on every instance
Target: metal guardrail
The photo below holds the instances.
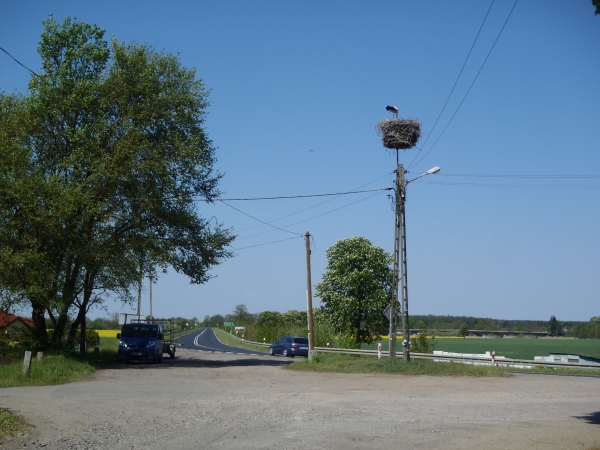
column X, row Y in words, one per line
column 462, row 359
column 244, row 341
column 480, row 360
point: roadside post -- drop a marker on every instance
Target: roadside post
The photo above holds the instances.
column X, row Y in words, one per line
column 27, row 363
column 379, row 351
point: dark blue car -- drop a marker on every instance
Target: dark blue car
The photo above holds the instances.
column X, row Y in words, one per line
column 140, row 342
column 290, row 346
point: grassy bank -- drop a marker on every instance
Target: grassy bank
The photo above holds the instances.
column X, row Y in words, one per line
column 10, row 424
column 518, row 348
column 227, row 339
column 369, row 364
column 61, row 368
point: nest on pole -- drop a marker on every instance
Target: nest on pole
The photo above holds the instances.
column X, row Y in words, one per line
column 399, row 134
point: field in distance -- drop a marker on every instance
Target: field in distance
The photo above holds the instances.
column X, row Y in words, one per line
column 517, row 348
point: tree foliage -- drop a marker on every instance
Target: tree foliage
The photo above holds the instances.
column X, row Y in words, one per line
column 421, row 343
column 101, row 164
column 356, row 288
column 596, row 3
column 555, row 328
column 463, row 330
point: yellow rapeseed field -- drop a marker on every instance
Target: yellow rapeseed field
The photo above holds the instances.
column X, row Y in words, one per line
column 108, row 333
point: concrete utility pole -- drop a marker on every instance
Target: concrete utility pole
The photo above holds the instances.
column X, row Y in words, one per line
column 394, row 304
column 403, row 271
column 311, row 337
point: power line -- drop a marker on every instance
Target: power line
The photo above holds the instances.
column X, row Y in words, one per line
column 266, row 243
column 529, row 186
column 471, row 86
column 304, row 196
column 318, row 204
column 455, row 83
column 314, row 217
column 473, row 175
column 258, row 220
column 19, row 63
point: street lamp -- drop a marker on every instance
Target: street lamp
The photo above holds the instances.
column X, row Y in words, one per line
column 400, row 269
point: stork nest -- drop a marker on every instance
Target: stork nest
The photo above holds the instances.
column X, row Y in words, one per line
column 399, row 133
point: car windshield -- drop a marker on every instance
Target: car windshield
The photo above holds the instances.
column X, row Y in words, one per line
column 139, row 331
column 302, row 341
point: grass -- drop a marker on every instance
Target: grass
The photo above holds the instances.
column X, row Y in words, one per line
column 60, row 368
column 327, row 362
column 518, row 348
column 10, row 424
column 227, row 339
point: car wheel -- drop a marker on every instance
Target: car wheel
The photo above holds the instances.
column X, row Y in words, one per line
column 285, row 352
column 271, row 352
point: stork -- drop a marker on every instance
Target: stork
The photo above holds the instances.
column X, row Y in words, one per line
column 392, row 109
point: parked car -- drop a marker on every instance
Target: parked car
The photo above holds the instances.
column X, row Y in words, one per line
column 140, row 342
column 290, row 346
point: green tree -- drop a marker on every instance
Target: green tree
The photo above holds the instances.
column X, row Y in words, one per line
column 464, row 330
column 100, row 168
column 294, row 319
column 482, row 325
column 356, row 288
column 420, row 325
column 596, row 3
column 216, row 320
column 241, row 316
column 421, row 343
column 268, row 326
column 554, row 327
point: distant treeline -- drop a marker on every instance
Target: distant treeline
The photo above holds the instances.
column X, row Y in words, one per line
column 580, row 329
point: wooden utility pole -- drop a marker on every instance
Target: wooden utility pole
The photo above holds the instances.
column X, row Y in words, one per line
column 150, row 278
column 139, row 308
column 311, row 337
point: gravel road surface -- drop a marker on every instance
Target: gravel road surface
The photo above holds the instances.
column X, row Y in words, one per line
column 208, row 400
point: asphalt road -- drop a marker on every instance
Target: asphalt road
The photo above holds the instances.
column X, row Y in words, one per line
column 211, row 397
column 205, row 340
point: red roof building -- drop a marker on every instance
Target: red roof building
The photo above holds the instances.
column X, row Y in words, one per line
column 11, row 324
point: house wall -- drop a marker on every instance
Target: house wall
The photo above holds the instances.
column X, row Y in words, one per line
column 15, row 328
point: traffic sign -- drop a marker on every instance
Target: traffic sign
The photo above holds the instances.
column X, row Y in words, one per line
column 227, row 324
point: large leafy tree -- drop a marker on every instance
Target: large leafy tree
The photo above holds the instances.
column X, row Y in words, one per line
column 356, row 288
column 101, row 168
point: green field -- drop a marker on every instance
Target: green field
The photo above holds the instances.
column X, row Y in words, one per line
column 518, row 348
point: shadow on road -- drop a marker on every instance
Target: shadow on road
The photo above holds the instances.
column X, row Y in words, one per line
column 198, row 362
column 591, row 418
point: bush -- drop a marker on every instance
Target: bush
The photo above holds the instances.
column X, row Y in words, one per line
column 421, row 344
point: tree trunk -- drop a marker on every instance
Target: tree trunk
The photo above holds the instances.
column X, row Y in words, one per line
column 40, row 332
column 87, row 295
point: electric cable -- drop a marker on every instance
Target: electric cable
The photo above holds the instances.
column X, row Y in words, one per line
column 455, row 83
column 266, row 243
column 474, row 175
column 19, row 63
column 258, row 220
column 318, row 204
column 470, row 87
column 303, row 196
column 531, row 186
column 311, row 218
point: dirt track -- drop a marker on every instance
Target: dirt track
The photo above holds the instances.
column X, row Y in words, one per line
column 208, row 400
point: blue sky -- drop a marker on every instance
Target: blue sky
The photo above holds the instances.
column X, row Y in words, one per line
column 291, row 77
